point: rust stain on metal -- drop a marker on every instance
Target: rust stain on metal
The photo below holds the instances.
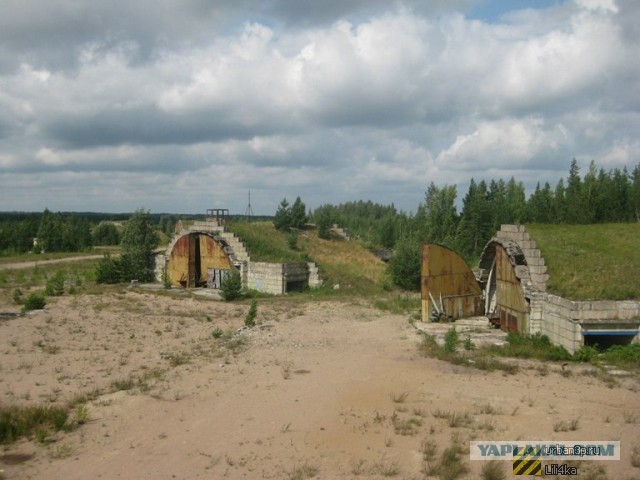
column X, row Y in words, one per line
column 448, row 283
column 192, row 256
column 510, row 308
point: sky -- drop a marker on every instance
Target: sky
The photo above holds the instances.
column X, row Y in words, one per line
column 178, row 106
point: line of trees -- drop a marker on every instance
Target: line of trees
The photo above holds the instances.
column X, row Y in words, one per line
column 596, row 197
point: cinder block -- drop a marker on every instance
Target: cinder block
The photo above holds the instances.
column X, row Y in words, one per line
column 537, row 269
column 535, row 261
column 629, row 305
column 531, row 253
column 509, row 228
column 604, row 305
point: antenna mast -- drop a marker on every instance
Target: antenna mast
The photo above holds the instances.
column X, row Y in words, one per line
column 249, row 212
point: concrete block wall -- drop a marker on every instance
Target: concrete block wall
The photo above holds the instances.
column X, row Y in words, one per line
column 559, row 322
column 240, row 253
column 273, row 277
column 266, row 277
column 206, row 226
column 561, row 319
column 314, row 275
column 295, row 272
column 538, row 275
column 160, row 262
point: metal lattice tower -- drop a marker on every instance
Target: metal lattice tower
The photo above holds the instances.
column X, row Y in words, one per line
column 249, row 212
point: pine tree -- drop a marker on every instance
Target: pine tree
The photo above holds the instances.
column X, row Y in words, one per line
column 634, row 194
column 298, row 214
column 515, row 199
column 139, row 240
column 282, row 218
column 574, row 199
column 559, row 203
column 475, row 227
column 441, row 219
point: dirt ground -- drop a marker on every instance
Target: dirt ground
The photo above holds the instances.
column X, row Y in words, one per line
column 322, row 389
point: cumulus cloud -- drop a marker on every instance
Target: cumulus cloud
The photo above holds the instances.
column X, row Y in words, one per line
column 337, row 101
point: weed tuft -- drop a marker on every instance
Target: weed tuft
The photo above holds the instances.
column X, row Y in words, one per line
column 302, row 472
column 493, row 470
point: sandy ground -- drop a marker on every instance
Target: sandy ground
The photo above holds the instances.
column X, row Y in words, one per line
column 331, row 389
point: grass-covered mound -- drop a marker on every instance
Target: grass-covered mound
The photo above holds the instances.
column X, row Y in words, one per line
column 591, row 262
column 346, row 263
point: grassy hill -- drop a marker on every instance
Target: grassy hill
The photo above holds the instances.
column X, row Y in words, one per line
column 346, row 263
column 596, row 262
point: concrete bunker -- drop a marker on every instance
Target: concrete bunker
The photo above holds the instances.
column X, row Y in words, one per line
column 204, row 253
column 512, row 277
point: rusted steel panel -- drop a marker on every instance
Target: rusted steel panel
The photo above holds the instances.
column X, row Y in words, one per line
column 192, row 256
column 448, row 279
column 511, row 304
column 212, row 255
column 508, row 287
column 178, row 264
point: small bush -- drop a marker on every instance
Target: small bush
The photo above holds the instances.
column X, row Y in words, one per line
column 217, row 333
column 108, row 270
column 18, row 297
column 231, row 286
column 468, row 344
column 531, row 346
column 292, row 241
column 250, row 319
column 450, row 340
column 626, row 356
column 55, row 285
column 493, row 470
column 166, row 281
column 16, row 422
column 82, row 414
column 586, row 354
column 450, row 465
column 34, row 301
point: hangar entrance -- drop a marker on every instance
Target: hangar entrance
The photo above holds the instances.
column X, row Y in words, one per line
column 503, row 266
column 198, row 259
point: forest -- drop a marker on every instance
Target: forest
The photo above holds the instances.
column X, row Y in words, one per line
column 597, row 196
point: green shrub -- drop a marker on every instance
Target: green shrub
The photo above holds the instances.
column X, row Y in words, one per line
column 250, row 319
column 108, row 271
column 34, row 301
column 626, row 356
column 468, row 344
column 586, row 354
column 450, row 340
column 231, row 286
column 531, row 346
column 55, row 285
column 217, row 333
column 404, row 266
column 16, row 422
column 166, row 281
column 18, row 298
column 292, row 241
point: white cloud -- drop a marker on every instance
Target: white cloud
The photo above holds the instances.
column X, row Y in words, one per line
column 374, row 105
